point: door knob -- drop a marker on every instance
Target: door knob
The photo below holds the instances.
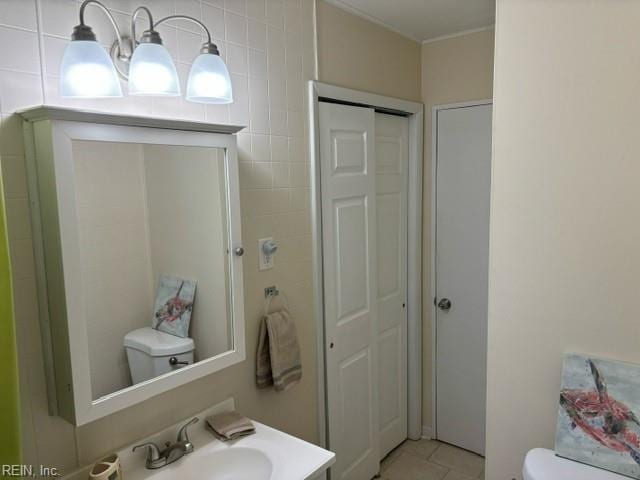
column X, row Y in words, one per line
column 444, row 304
column 239, row 251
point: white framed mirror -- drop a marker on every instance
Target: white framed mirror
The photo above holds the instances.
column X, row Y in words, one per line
column 138, row 252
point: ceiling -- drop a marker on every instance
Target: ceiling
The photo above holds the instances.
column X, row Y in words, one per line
column 424, row 19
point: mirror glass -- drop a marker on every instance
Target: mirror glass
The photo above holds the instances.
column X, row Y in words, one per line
column 154, row 242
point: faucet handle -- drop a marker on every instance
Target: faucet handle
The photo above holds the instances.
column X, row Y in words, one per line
column 183, row 435
column 153, row 452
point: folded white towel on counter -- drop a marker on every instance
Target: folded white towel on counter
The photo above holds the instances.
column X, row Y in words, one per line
column 230, row 425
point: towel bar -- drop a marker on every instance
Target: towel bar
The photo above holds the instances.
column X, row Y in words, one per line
column 271, row 291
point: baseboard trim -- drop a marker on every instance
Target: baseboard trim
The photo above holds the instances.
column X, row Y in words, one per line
column 427, row 432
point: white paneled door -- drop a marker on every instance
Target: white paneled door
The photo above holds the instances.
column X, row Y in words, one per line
column 349, row 240
column 363, row 183
column 463, row 183
column 392, row 158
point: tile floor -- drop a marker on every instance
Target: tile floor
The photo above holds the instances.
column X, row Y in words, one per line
column 431, row 460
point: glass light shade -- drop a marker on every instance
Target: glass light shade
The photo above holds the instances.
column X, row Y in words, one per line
column 88, row 72
column 152, row 71
column 209, row 80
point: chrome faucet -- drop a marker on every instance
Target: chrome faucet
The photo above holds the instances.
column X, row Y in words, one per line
column 157, row 458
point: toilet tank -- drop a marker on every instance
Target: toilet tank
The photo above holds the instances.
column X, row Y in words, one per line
column 149, row 353
column 543, row 464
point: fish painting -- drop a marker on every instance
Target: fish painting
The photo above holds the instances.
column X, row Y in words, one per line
column 174, row 305
column 174, row 308
column 596, row 408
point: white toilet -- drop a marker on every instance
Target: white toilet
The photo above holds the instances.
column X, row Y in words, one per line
column 151, row 353
column 543, row 464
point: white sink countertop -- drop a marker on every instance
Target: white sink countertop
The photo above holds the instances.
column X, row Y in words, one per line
column 268, row 454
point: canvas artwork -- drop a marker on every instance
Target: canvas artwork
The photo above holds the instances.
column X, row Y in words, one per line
column 173, row 306
column 598, row 414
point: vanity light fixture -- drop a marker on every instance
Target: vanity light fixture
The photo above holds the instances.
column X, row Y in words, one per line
column 87, row 71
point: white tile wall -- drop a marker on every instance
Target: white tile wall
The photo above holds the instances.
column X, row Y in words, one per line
column 269, row 48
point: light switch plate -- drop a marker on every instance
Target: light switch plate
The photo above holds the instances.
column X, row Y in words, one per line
column 265, row 262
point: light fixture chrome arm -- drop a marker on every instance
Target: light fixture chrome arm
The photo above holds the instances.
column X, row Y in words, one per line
column 209, row 42
column 122, row 50
column 134, row 17
column 106, row 11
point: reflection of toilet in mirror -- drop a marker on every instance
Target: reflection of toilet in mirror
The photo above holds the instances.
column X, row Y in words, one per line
column 151, row 353
column 165, row 346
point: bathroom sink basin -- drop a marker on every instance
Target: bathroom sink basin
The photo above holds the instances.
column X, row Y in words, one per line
column 232, row 464
column 236, row 463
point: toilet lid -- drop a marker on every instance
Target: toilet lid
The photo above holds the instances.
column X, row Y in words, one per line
column 156, row 343
column 543, row 464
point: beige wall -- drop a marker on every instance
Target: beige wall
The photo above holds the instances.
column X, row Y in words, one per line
column 564, row 261
column 356, row 53
column 269, row 49
column 454, row 70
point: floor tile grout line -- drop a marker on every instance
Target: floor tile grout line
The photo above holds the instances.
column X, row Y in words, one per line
column 434, row 452
column 402, row 448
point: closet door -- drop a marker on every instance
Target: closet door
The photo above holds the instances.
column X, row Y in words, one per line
column 463, row 187
column 392, row 157
column 348, row 179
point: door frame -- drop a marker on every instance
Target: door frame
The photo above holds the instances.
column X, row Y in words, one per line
column 415, row 113
column 433, row 274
